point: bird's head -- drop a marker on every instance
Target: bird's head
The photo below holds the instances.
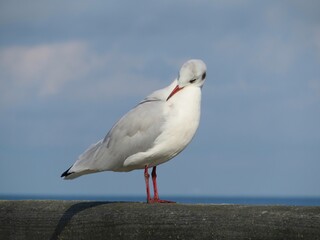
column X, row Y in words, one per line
column 192, row 73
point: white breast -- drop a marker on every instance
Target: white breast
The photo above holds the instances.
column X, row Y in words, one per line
column 182, row 114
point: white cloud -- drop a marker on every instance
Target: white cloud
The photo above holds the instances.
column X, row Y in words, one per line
column 42, row 70
column 69, row 68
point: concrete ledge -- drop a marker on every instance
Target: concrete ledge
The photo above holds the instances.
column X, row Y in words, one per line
column 121, row 220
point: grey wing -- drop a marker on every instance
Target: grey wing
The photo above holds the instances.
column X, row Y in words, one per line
column 135, row 132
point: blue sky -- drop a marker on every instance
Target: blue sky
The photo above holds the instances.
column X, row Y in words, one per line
column 69, row 70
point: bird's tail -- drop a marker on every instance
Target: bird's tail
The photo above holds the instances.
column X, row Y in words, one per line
column 67, row 175
column 70, row 174
column 85, row 163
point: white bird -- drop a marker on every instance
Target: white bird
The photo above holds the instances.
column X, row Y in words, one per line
column 152, row 133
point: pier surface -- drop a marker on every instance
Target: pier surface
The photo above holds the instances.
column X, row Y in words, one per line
column 36, row 219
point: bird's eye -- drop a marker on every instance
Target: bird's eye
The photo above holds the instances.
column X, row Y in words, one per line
column 192, row 81
column 204, row 75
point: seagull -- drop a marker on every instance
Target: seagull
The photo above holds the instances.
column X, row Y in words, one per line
column 152, row 133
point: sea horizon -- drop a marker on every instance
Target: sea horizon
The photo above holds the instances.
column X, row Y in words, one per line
column 199, row 199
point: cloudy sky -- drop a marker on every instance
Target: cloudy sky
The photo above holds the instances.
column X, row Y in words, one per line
column 70, row 69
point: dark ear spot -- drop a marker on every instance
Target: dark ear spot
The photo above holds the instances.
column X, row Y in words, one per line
column 204, row 75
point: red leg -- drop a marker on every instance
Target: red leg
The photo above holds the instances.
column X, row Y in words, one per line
column 155, row 188
column 146, row 178
column 154, row 181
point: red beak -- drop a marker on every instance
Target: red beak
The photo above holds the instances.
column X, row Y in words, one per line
column 174, row 91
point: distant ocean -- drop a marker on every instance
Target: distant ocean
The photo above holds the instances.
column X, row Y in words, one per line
column 291, row 201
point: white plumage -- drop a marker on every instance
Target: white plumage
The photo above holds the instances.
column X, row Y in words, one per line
column 153, row 132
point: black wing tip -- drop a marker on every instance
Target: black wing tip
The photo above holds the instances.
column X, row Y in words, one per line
column 66, row 173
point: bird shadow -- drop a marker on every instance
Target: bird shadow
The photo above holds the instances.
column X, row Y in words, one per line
column 72, row 211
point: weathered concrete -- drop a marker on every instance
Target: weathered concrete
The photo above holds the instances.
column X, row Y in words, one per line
column 111, row 220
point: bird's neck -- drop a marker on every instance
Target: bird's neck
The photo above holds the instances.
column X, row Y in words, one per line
column 185, row 106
